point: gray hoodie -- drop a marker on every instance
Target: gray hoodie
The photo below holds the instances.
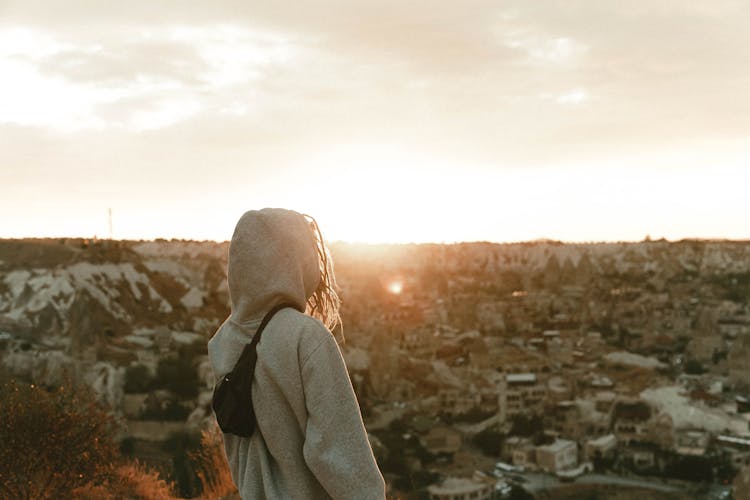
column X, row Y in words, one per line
column 310, row 441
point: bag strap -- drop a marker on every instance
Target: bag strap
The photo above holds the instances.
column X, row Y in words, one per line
column 249, row 348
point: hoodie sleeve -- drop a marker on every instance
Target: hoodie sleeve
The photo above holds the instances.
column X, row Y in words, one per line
column 336, row 448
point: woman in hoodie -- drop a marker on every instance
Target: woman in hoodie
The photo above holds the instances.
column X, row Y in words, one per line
column 309, row 441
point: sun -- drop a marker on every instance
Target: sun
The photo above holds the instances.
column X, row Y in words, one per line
column 395, row 287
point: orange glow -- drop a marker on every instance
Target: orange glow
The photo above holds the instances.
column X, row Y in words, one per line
column 395, row 287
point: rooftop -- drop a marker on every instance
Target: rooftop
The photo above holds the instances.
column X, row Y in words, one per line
column 557, row 446
column 520, row 378
column 603, row 440
column 456, row 486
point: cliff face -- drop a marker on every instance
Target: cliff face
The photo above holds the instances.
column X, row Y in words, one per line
column 84, row 290
column 88, row 291
column 69, row 309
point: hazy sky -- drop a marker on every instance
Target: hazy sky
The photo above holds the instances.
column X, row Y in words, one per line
column 387, row 120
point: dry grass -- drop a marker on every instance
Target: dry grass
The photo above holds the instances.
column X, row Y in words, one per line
column 131, row 480
column 212, row 467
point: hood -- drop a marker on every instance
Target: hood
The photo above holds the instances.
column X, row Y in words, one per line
column 272, row 259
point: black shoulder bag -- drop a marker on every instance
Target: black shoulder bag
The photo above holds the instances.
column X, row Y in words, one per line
column 232, row 400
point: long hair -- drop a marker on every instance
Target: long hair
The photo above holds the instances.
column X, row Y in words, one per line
column 324, row 303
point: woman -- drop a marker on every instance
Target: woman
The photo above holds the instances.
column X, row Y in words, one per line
column 309, row 441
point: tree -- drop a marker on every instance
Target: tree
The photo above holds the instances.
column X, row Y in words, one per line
column 490, row 442
column 137, row 379
column 518, row 493
column 694, row 367
column 526, row 426
column 53, row 441
column 179, row 376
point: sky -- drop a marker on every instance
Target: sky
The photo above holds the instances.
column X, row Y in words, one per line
column 389, row 121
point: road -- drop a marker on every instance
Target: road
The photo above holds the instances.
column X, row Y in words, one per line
column 539, row 481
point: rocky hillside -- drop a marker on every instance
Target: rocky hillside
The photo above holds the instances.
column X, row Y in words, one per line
column 69, row 292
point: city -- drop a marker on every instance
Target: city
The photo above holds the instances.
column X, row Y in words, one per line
column 482, row 370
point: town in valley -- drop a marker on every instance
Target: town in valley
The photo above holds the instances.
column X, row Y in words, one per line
column 482, row 370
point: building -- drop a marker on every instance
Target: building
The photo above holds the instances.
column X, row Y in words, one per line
column 564, row 419
column 442, row 439
column 692, row 442
column 601, row 447
column 739, row 362
column 516, row 446
column 459, row 401
column 630, row 421
column 524, row 455
column 560, row 455
column 642, row 456
column 418, row 342
column 454, row 488
column 737, row 448
column 489, row 399
column 523, row 394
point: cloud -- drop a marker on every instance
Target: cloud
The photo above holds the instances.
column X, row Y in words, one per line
column 460, row 79
column 138, row 79
column 573, row 97
column 103, row 101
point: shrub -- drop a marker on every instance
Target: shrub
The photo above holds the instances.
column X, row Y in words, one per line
column 131, row 480
column 53, row 441
column 127, row 446
column 211, row 467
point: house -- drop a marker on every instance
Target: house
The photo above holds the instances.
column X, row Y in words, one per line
column 630, row 421
column 524, row 455
column 442, row 439
column 601, row 447
column 737, row 448
column 564, row 419
column 739, row 362
column 743, row 404
column 516, row 446
column 560, row 389
column 560, row 455
column 523, row 394
column 604, row 401
column 457, row 401
column 642, row 456
column 418, row 342
column 489, row 397
column 454, row 488
column 692, row 442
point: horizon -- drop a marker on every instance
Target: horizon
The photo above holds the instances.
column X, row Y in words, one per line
column 647, row 239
